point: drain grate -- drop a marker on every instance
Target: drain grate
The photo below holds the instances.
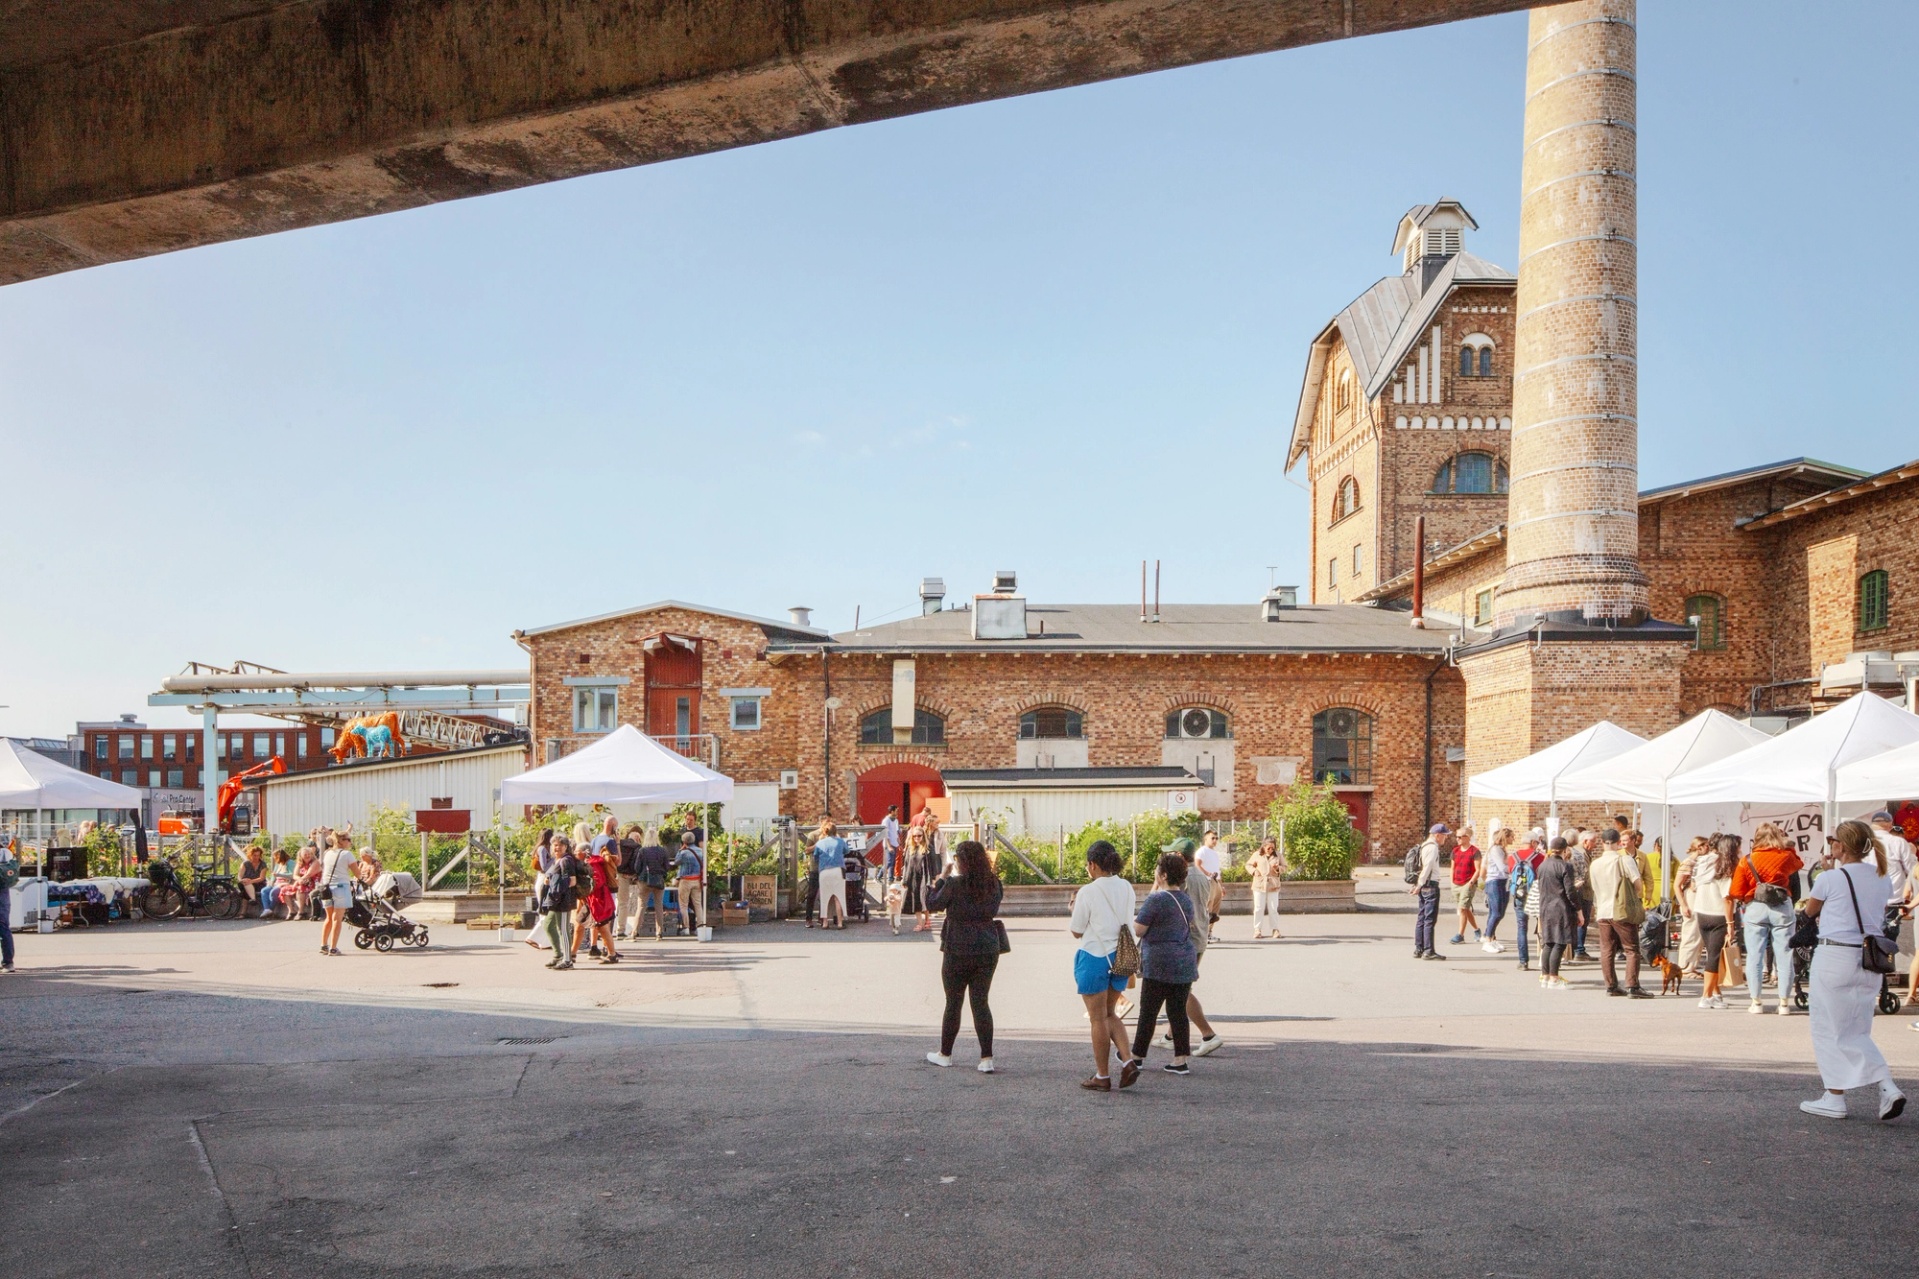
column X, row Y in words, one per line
column 534, row 1039
column 439, row 985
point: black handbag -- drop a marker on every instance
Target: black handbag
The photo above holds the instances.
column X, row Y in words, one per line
column 1005, row 942
column 1805, row 932
column 1877, row 955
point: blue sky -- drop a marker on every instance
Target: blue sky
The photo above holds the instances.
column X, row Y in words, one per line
column 1057, row 334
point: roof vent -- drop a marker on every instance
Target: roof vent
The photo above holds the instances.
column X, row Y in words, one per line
column 1277, row 601
column 801, row 617
column 999, row 616
column 932, row 595
column 1005, row 582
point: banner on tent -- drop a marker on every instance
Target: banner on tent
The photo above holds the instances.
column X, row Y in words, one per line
column 1804, row 824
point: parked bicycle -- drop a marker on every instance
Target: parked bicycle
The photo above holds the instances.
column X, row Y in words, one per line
column 210, row 895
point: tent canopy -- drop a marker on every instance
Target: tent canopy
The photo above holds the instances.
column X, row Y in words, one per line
column 31, row 780
column 1644, row 773
column 1881, row 779
column 1536, row 778
column 624, row 767
column 1798, row 766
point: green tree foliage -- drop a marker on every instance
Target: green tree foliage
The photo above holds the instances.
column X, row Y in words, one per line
column 1320, row 840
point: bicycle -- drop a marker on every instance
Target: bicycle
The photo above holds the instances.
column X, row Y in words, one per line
column 213, row 896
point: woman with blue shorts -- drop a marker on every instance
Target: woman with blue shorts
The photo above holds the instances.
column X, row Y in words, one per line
column 1100, row 909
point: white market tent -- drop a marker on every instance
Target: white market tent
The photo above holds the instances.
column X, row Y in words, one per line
column 1801, row 765
column 31, row 780
column 624, row 767
column 1880, row 779
column 1537, row 778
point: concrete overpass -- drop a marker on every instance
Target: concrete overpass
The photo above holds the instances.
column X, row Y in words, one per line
column 132, row 127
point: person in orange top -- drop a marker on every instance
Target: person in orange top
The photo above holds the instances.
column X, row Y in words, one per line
column 1763, row 884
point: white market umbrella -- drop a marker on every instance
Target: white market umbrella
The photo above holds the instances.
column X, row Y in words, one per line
column 1536, row 778
column 29, row 779
column 1801, row 766
column 624, row 767
column 1881, row 778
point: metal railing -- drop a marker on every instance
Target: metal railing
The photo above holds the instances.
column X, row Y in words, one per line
column 704, row 747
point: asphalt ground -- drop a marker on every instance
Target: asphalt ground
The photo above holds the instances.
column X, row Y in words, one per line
column 211, row 1100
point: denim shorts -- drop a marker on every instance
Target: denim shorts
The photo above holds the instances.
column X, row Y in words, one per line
column 1093, row 974
column 342, row 896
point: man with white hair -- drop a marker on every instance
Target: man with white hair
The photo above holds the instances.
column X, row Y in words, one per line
column 1900, row 863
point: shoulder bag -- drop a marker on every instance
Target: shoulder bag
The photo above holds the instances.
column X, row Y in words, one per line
column 1768, row 894
column 1126, row 958
column 1876, row 955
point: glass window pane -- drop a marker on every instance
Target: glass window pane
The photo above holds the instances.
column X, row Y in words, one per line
column 176, row 778
column 1473, row 473
column 126, row 748
column 1485, row 361
column 609, row 709
column 99, row 748
column 146, row 746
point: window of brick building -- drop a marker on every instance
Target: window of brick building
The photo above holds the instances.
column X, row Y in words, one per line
column 1711, row 612
column 99, row 748
column 1332, row 571
column 1471, row 473
column 745, row 714
column 1344, row 397
column 1483, row 608
column 129, row 778
column 1875, row 601
column 126, row 747
column 1359, row 560
column 1051, row 724
column 169, row 747
column 1346, row 499
column 1197, row 721
column 260, row 746
column 1343, row 746
column 191, row 739
column 176, row 778
column 1485, row 361
column 596, row 708
column 876, row 727
column 146, row 746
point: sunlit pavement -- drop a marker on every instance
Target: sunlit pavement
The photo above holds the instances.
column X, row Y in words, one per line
column 205, row 1098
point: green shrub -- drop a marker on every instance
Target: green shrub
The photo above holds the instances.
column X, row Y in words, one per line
column 1320, row 840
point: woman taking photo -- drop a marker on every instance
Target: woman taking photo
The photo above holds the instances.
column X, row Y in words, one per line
column 1168, row 966
column 1561, row 914
column 970, row 894
column 1709, row 878
column 1266, row 868
column 1849, row 901
column 1101, row 909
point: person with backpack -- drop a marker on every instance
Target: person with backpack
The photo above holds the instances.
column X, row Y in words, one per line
column 1619, row 908
column 691, row 866
column 1762, row 889
column 627, row 868
column 1104, row 963
column 655, row 863
column 9, row 876
column 1852, row 960
column 559, row 899
column 1422, row 878
column 1523, row 890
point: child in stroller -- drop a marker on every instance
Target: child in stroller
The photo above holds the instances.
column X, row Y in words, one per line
column 1802, row 969
column 375, row 913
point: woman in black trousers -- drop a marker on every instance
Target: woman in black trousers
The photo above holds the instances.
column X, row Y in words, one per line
column 969, row 892
column 1561, row 913
column 1168, row 966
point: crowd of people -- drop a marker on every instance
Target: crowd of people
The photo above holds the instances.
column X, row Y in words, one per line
column 1764, row 914
column 596, row 890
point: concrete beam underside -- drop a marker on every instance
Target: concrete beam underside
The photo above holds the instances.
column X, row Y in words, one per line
column 117, row 142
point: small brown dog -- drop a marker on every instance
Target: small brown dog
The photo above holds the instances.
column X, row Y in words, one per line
column 1670, row 975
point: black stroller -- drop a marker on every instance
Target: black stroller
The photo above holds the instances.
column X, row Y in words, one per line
column 375, row 913
column 1802, row 968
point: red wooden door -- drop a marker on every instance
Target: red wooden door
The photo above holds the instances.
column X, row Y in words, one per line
column 1359, row 803
column 673, row 674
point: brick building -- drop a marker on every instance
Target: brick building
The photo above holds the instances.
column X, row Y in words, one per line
column 128, row 752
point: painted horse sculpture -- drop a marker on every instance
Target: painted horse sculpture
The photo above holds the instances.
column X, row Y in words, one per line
column 376, row 736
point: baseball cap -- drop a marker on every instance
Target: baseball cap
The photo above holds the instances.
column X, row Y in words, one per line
column 1181, row 846
column 1882, row 815
column 1440, row 828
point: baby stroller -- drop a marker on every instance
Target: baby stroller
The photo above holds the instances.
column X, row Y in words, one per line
column 1802, row 969
column 375, row 913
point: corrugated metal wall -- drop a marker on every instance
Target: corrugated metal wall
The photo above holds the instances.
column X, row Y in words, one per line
column 341, row 795
column 1046, row 813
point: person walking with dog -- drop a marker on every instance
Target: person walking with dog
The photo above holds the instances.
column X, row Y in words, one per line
column 1849, row 902
column 1424, row 886
column 1102, row 909
column 971, row 938
column 1708, row 876
column 1762, row 889
column 1619, row 908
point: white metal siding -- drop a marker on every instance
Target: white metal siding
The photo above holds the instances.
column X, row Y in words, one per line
column 349, row 794
column 1047, row 812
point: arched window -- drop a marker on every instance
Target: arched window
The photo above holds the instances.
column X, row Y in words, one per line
column 1711, row 612
column 1475, row 355
column 1051, row 724
column 1875, row 601
column 1343, row 747
column 1344, row 399
column 1197, row 721
column 1485, row 361
column 1465, row 361
column 876, row 728
column 1346, row 500
column 1471, row 473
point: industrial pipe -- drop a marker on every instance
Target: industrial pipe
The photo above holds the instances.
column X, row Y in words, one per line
column 339, row 679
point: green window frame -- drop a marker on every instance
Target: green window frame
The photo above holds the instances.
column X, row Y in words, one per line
column 1711, row 612
column 1875, row 601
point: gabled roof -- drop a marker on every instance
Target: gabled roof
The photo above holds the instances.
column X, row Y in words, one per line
column 1417, row 216
column 1810, row 468
column 785, row 630
column 1820, row 501
column 1379, row 327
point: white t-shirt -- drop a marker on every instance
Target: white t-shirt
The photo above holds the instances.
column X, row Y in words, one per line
column 890, row 831
column 1208, row 859
column 1900, row 861
column 1499, row 863
column 1101, row 908
column 1709, row 895
column 337, row 866
column 1837, row 922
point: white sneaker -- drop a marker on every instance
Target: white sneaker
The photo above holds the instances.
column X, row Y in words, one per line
column 1892, row 1102
column 1784, row 1009
column 1207, row 1047
column 1826, row 1106
column 939, row 1059
column 1719, row 1003
column 1706, row 1003
column 1490, row 947
column 1165, row 1041
column 1756, row 1008
column 986, row 1065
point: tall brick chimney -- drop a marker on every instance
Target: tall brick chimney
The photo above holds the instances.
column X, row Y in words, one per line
column 1572, row 550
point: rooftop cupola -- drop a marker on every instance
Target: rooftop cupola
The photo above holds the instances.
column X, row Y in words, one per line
column 1429, row 234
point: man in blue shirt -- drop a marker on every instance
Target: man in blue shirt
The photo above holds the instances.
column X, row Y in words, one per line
column 691, row 865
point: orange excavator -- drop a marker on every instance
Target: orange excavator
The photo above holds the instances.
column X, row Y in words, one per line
column 230, row 789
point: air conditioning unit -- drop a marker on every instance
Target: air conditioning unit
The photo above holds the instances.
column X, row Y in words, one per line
column 1196, row 722
column 789, row 779
column 1341, row 722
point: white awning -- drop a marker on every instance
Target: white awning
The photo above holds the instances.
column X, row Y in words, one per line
column 1801, row 766
column 31, row 780
column 1536, row 778
column 1881, row 779
column 1643, row 774
column 624, row 767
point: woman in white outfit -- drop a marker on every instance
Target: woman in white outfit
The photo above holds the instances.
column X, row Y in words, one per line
column 1849, row 901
